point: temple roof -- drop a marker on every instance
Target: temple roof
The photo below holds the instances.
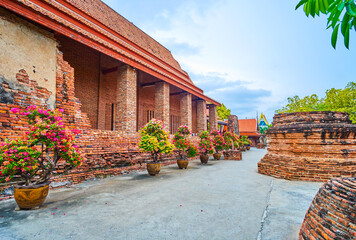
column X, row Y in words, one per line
column 248, row 127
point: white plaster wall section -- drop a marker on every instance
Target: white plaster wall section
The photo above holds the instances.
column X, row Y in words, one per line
column 25, row 46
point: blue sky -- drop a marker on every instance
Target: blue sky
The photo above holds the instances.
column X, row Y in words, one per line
column 250, row 55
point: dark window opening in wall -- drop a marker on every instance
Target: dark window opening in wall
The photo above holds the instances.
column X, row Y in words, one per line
column 150, row 115
column 109, row 116
column 175, row 123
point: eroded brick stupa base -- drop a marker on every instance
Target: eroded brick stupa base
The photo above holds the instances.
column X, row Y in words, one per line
column 310, row 146
column 332, row 214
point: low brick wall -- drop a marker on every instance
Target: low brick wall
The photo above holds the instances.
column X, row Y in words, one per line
column 233, row 155
column 314, row 146
column 332, row 214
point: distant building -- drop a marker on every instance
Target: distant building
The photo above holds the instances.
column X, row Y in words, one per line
column 262, row 122
column 250, row 128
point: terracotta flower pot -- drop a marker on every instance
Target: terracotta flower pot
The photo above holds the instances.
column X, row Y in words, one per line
column 217, row 156
column 29, row 197
column 153, row 168
column 204, row 159
column 248, row 147
column 183, row 164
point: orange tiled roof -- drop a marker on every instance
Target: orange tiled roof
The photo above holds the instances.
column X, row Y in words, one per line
column 248, row 126
column 113, row 20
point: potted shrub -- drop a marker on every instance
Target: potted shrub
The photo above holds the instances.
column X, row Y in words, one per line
column 205, row 147
column 232, row 143
column 218, row 142
column 185, row 148
column 155, row 141
column 34, row 157
column 244, row 143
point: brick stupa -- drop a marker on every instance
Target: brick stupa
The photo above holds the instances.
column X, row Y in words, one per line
column 310, row 146
column 332, row 214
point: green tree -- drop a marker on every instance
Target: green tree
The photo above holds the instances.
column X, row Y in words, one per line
column 341, row 13
column 223, row 112
column 340, row 100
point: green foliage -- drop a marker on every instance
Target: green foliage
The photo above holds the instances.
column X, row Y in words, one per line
column 223, row 112
column 245, row 141
column 182, row 143
column 341, row 13
column 155, row 140
column 264, row 130
column 340, row 100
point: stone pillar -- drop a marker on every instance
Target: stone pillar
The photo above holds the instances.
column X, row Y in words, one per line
column 186, row 109
column 126, row 110
column 233, row 124
column 162, row 103
column 213, row 118
column 201, row 116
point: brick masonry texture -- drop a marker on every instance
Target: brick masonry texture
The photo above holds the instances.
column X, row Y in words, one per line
column 126, row 112
column 213, row 118
column 332, row 214
column 186, row 109
column 201, row 116
column 162, row 103
column 314, row 146
column 233, row 155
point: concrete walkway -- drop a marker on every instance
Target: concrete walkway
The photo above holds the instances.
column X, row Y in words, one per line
column 221, row 200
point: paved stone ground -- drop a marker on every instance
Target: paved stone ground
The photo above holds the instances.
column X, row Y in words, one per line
column 221, row 200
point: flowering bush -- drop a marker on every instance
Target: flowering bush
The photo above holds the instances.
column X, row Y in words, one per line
column 184, row 146
column 231, row 140
column 245, row 141
column 218, row 141
column 155, row 140
column 206, row 144
column 36, row 154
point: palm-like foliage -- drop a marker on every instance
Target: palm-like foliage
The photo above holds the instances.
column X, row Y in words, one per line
column 341, row 13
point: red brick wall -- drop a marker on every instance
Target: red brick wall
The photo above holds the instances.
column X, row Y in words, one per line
column 86, row 63
column 194, row 116
column 310, row 146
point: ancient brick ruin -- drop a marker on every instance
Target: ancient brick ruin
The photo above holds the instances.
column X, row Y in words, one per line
column 332, row 214
column 109, row 81
column 312, row 146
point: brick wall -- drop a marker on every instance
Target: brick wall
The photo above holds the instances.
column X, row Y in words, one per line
column 194, row 116
column 186, row 109
column 332, row 214
column 86, row 63
column 213, row 118
column 162, row 95
column 201, row 116
column 310, row 146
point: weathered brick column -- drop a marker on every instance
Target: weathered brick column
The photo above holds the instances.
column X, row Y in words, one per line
column 125, row 115
column 310, row 146
column 186, row 109
column 162, row 103
column 201, row 116
column 213, row 118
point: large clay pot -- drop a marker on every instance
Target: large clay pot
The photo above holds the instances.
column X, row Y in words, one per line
column 217, row 156
column 153, row 168
column 204, row 159
column 29, row 197
column 183, row 164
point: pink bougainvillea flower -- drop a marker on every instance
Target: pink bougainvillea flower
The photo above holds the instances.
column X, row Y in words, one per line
column 56, row 208
column 201, row 210
column 53, row 213
column 181, row 205
column 106, row 203
column 64, row 214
